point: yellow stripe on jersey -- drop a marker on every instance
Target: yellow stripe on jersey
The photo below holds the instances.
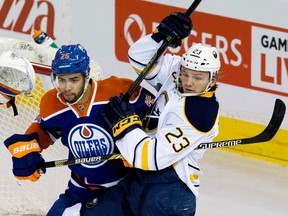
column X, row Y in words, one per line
column 207, row 94
column 138, row 71
column 145, row 156
column 193, row 177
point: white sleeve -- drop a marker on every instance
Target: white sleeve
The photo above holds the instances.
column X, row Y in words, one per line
column 142, row 51
column 170, row 144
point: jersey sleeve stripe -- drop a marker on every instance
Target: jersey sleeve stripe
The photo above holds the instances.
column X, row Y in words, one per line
column 145, row 155
column 137, row 147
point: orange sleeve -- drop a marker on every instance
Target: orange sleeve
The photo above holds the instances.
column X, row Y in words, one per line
column 113, row 86
column 44, row 140
column 50, row 103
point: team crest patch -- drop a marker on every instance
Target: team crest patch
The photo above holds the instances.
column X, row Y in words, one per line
column 89, row 140
column 149, row 101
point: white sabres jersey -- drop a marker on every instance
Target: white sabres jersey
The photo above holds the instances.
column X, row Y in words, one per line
column 182, row 123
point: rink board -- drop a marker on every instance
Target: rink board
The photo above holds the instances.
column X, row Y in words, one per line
column 275, row 150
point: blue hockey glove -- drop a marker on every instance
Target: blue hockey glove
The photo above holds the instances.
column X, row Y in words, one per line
column 178, row 25
column 25, row 156
column 120, row 116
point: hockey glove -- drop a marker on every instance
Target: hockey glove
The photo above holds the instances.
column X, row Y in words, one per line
column 120, row 116
column 178, row 25
column 25, row 156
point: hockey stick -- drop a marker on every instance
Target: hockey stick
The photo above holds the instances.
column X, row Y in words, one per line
column 156, row 56
column 267, row 134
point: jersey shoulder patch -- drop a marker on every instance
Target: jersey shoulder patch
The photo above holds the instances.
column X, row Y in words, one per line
column 201, row 112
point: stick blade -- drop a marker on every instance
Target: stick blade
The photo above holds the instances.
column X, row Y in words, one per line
column 276, row 120
column 273, row 125
column 267, row 134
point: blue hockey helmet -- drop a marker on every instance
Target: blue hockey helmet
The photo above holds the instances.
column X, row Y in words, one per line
column 71, row 59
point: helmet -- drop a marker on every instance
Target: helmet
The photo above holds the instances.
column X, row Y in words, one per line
column 202, row 58
column 71, row 59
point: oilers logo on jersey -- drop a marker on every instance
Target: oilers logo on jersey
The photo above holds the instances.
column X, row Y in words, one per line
column 89, row 140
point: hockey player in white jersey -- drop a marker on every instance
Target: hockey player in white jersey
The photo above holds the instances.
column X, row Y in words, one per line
column 162, row 149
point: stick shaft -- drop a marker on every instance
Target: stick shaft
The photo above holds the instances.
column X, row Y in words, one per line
column 156, row 56
column 267, row 134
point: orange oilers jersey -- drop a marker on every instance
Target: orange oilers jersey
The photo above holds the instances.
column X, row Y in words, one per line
column 83, row 130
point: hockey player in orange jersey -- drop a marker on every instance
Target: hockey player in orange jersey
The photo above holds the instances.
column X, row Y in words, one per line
column 71, row 112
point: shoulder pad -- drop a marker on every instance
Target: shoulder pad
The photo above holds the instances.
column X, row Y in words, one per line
column 201, row 112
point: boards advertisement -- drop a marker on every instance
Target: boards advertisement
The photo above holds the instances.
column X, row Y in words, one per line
column 250, row 38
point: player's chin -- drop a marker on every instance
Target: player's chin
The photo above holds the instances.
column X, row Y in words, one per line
column 70, row 99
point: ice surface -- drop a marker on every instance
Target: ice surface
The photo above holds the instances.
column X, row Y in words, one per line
column 237, row 185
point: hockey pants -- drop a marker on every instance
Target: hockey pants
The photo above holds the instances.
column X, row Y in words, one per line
column 146, row 193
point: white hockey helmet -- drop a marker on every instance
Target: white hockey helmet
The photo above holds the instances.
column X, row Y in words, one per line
column 202, row 58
